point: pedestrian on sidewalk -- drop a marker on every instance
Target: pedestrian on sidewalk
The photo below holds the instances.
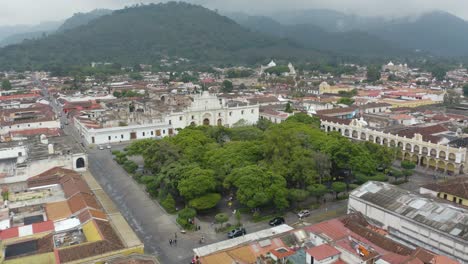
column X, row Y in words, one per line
column 174, row 242
column 175, row 236
column 170, row 242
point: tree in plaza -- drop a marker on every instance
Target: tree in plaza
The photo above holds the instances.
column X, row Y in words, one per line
column 318, row 191
column 196, row 182
column 408, row 165
column 407, row 173
column 305, row 119
column 221, row 218
column 227, row 86
column 156, row 153
column 6, row 85
column 257, row 187
column 206, row 201
column 338, row 187
column 395, row 174
column 322, row 165
column 301, row 170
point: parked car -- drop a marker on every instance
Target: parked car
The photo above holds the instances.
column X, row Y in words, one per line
column 101, row 147
column 108, row 147
column 277, row 221
column 237, row 232
column 303, row 213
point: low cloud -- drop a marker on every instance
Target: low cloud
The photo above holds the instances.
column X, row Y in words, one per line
column 35, row 11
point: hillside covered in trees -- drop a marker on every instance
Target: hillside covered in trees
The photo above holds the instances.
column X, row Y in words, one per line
column 147, row 33
column 268, row 165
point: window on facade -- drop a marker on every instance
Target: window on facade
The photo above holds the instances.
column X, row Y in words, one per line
column 230, row 113
column 143, row 133
column 20, row 154
column 219, row 114
column 29, row 125
column 40, row 124
column 17, row 125
column 193, row 117
column 242, row 112
column 109, row 137
column 121, row 136
column 152, row 133
column 460, row 201
column 170, row 122
column 180, row 118
column 445, row 196
column 252, row 111
column 164, row 131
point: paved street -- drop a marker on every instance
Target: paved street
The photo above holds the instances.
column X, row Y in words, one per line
column 148, row 219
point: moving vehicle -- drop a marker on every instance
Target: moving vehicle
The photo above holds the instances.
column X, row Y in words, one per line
column 277, row 221
column 303, row 213
column 101, row 147
column 240, row 231
column 108, row 147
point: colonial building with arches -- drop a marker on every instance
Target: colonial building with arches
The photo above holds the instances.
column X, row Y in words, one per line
column 152, row 122
column 421, row 149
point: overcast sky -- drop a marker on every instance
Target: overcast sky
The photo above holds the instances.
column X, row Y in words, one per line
column 34, row 11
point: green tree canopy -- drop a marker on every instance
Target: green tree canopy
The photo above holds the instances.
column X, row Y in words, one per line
column 196, row 183
column 346, row 101
column 305, row 119
column 227, row 86
column 338, row 187
column 257, row 187
column 465, row 90
column 206, row 201
column 318, row 190
column 6, row 85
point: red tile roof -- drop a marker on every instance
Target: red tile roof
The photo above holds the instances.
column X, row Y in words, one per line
column 18, row 96
column 323, row 251
column 49, row 177
column 335, row 119
column 46, row 226
column 334, row 229
column 72, row 183
column 9, row 233
column 82, row 201
column 37, row 131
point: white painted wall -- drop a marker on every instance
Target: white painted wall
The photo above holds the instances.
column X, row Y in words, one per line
column 14, row 152
column 329, row 260
column 32, row 125
column 410, row 231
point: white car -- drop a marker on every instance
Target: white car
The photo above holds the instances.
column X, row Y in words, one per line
column 108, row 147
column 101, row 147
column 303, row 213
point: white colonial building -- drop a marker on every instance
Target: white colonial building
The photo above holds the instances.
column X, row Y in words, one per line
column 412, row 219
column 20, row 160
column 205, row 109
column 433, row 155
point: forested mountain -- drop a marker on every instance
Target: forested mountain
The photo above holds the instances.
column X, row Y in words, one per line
column 353, row 42
column 438, row 33
column 16, row 34
column 144, row 34
column 80, row 19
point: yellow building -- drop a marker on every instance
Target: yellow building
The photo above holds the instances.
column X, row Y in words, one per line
column 455, row 190
column 324, row 87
